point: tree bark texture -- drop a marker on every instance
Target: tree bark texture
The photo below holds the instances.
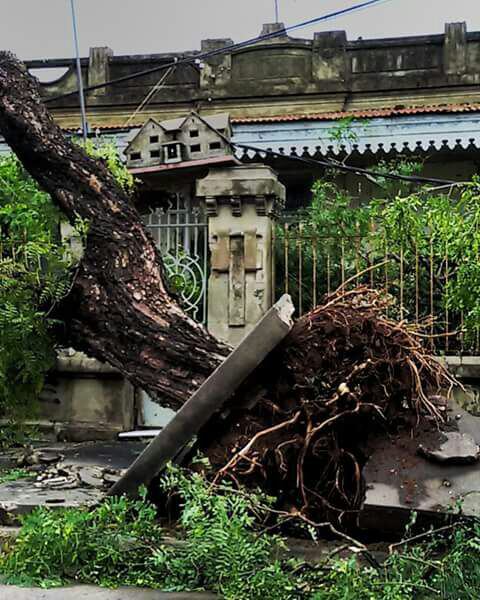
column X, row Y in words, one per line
column 119, row 310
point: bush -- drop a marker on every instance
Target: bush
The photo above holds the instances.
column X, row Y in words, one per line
column 34, row 276
column 36, row 271
column 120, row 543
column 222, row 547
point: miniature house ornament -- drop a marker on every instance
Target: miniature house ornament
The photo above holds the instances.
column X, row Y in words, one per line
column 186, row 139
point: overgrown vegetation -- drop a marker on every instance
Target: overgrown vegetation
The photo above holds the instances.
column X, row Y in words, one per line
column 34, row 276
column 36, row 271
column 120, row 543
column 14, row 475
column 223, row 547
column 425, row 244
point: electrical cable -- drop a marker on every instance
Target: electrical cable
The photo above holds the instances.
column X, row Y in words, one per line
column 156, row 88
column 330, row 164
column 347, row 168
column 223, row 50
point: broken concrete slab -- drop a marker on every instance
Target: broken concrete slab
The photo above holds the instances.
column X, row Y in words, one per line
column 111, row 454
column 400, row 480
column 21, row 497
column 456, row 449
column 82, row 477
column 91, row 476
column 272, row 328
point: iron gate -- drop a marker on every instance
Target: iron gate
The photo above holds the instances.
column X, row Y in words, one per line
column 180, row 231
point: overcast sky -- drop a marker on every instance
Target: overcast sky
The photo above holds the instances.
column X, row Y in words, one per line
column 42, row 28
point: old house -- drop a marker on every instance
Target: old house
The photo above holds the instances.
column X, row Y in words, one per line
column 412, row 97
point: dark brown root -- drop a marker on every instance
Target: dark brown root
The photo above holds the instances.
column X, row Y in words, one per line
column 345, row 372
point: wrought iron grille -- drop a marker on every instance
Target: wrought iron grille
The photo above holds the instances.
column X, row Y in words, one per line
column 309, row 266
column 180, row 231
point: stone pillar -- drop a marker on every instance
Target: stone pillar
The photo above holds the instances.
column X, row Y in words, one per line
column 217, row 70
column 330, row 61
column 99, row 68
column 455, row 49
column 269, row 28
column 240, row 202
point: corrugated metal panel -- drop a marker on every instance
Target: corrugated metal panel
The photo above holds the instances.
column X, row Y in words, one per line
column 422, row 128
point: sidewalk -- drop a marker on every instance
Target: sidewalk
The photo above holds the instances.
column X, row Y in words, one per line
column 89, row 592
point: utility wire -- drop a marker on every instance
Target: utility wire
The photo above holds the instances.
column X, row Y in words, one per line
column 223, row 50
column 81, row 92
column 330, row 164
column 156, row 88
column 347, row 168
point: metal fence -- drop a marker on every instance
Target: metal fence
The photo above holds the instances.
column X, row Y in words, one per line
column 181, row 233
column 308, row 266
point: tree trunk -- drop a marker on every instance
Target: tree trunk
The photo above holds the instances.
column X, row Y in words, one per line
column 119, row 310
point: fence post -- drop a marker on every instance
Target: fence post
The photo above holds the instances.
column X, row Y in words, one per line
column 240, row 203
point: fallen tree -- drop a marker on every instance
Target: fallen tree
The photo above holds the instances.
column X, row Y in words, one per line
column 299, row 426
column 119, row 309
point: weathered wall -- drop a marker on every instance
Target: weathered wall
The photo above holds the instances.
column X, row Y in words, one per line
column 86, row 400
column 281, row 75
column 240, row 204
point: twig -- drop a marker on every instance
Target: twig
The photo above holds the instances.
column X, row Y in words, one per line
column 421, row 536
column 242, row 453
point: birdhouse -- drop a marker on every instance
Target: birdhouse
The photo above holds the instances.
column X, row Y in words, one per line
column 189, row 138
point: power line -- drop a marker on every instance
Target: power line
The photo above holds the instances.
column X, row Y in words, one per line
column 224, row 49
column 156, row 88
column 331, row 164
column 346, row 168
column 81, row 94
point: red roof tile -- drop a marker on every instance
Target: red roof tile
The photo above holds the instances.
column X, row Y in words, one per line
column 363, row 114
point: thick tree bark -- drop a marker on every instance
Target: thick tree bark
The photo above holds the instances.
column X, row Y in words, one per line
column 119, row 308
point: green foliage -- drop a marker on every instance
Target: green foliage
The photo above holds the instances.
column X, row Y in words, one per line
column 108, row 153
column 36, row 270
column 425, row 243
column 34, row 276
column 107, row 546
column 14, row 475
column 446, row 568
column 220, row 547
column 343, row 133
column 120, row 543
column 223, row 550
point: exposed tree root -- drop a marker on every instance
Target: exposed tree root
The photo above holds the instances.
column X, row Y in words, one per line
column 345, row 372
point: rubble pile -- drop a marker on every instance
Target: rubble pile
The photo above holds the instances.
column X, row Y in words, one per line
column 52, row 471
column 300, row 428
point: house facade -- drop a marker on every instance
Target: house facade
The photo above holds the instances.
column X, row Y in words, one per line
column 412, row 97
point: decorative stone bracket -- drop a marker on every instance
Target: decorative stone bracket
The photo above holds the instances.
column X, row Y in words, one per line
column 240, row 205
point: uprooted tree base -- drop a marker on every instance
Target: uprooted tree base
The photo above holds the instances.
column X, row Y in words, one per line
column 344, row 373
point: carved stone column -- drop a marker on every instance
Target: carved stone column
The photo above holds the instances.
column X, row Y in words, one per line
column 240, row 204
